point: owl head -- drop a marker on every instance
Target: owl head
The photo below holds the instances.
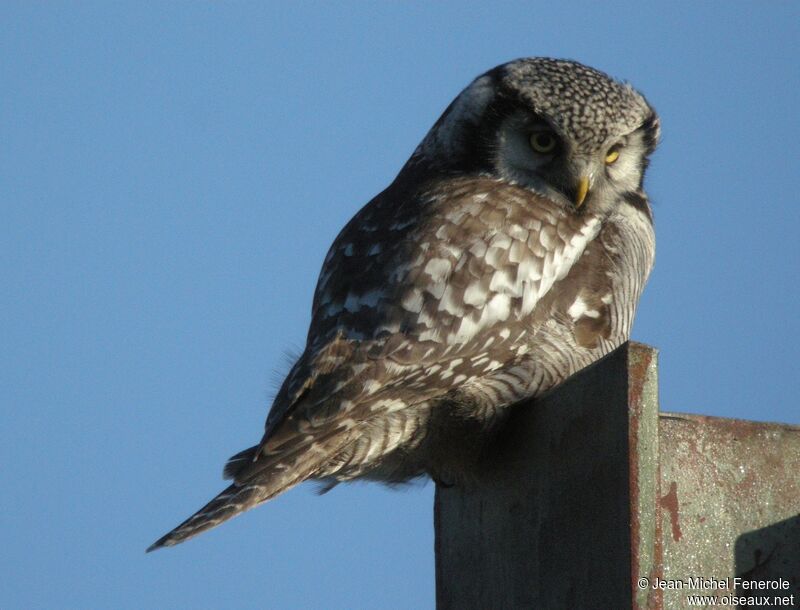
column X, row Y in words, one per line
column 557, row 127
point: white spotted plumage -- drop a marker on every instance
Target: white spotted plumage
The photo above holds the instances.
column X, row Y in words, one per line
column 488, row 272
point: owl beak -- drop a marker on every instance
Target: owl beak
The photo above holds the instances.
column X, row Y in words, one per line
column 583, row 190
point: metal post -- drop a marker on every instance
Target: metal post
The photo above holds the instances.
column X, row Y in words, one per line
column 591, row 497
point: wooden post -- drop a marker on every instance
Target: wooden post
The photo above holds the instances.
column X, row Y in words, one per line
column 591, row 496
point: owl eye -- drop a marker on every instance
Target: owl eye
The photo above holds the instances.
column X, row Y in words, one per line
column 612, row 155
column 543, row 142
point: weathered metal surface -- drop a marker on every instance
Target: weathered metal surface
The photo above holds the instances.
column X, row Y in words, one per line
column 643, row 464
column 549, row 522
column 593, row 499
column 729, row 503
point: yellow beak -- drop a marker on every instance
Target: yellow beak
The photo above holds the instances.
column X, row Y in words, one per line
column 583, row 190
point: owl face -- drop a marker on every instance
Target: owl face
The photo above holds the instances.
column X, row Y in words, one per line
column 529, row 151
column 559, row 128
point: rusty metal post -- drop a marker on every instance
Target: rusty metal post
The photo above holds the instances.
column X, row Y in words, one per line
column 592, row 497
column 729, row 504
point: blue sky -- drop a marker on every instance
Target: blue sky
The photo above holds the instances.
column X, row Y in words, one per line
column 171, row 176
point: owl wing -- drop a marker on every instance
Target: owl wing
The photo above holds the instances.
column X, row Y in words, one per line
column 418, row 295
column 412, row 286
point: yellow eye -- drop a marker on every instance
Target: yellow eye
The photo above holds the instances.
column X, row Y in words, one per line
column 612, row 156
column 543, row 142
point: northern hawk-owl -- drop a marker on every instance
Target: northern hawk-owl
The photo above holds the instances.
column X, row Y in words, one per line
column 509, row 252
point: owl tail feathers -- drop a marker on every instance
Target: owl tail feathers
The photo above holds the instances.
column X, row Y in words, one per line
column 232, row 501
column 256, row 481
column 236, row 463
column 237, row 498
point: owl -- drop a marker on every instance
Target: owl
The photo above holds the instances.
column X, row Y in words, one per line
column 509, row 252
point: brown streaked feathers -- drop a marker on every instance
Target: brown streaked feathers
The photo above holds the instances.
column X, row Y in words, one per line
column 471, row 283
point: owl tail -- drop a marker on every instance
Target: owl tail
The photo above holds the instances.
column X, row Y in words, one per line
column 237, row 498
column 229, row 503
column 256, row 481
